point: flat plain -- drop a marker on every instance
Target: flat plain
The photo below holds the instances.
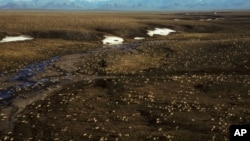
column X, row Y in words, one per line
column 190, row 85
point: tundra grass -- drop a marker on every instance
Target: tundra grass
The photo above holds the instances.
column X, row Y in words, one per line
column 190, row 85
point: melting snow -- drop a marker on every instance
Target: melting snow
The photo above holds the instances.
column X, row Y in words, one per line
column 160, row 31
column 139, row 38
column 112, row 40
column 15, row 38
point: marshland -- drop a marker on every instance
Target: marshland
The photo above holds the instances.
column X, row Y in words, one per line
column 102, row 76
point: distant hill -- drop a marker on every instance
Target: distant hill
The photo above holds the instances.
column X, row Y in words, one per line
column 126, row 4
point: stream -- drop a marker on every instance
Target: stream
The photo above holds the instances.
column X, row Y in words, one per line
column 41, row 79
column 26, row 84
column 23, row 76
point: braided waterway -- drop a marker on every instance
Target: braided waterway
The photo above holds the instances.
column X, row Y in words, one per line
column 41, row 79
column 23, row 79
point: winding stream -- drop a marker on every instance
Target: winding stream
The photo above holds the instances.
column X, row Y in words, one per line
column 38, row 80
column 23, row 76
column 41, row 79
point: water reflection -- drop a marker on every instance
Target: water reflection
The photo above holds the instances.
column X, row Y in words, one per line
column 32, row 69
column 23, row 76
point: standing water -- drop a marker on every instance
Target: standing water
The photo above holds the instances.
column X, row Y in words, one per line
column 23, row 76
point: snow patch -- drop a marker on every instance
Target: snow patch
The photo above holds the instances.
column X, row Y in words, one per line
column 15, row 38
column 139, row 38
column 160, row 31
column 112, row 40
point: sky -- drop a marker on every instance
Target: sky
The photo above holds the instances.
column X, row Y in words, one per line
column 126, row 4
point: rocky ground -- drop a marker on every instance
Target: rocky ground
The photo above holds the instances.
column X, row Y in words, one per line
column 180, row 87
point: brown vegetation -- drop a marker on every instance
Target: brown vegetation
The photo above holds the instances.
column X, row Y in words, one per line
column 190, row 85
